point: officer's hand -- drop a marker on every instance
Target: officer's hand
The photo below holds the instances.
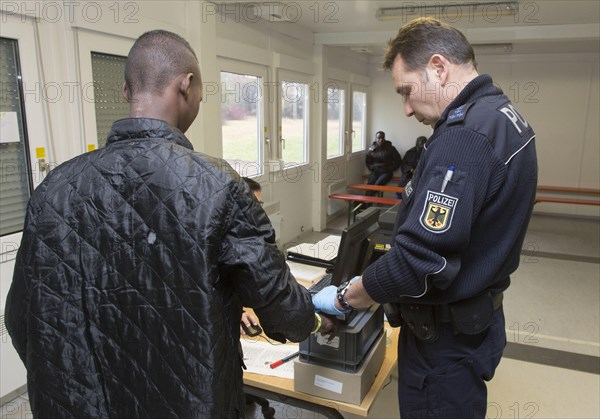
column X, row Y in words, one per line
column 329, row 326
column 324, row 301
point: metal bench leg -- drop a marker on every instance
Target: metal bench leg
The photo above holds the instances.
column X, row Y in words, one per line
column 349, row 212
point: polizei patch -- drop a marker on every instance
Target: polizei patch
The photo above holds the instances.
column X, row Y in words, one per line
column 438, row 212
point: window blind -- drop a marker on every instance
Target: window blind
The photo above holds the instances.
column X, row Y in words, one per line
column 108, row 72
column 15, row 170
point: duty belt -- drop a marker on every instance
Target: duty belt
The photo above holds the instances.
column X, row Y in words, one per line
column 445, row 316
column 470, row 316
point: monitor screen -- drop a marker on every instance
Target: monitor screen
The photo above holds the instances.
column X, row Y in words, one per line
column 355, row 248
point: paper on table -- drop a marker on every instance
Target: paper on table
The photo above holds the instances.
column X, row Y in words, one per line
column 259, row 355
column 303, row 272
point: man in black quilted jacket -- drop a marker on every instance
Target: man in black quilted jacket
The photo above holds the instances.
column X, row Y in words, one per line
column 136, row 260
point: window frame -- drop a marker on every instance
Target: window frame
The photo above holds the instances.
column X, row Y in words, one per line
column 364, row 90
column 343, row 130
column 35, row 115
column 265, row 147
column 294, row 77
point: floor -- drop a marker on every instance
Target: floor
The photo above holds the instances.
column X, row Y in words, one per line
column 551, row 365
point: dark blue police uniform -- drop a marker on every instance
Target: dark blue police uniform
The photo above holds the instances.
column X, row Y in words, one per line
column 459, row 235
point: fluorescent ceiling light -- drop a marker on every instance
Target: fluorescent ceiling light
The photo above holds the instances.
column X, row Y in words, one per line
column 450, row 12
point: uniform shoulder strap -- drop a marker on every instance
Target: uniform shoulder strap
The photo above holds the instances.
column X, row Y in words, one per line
column 458, row 115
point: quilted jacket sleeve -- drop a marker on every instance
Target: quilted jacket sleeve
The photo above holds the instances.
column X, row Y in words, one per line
column 256, row 267
column 17, row 301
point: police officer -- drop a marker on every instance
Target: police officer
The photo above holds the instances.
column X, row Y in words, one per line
column 460, row 229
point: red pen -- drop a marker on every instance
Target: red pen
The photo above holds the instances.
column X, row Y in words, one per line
column 284, row 360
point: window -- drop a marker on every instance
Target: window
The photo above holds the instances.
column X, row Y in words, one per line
column 359, row 119
column 102, row 68
column 15, row 169
column 241, row 121
column 335, row 120
column 294, row 123
column 108, row 72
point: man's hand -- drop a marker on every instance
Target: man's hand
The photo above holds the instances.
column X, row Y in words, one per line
column 329, row 326
column 249, row 320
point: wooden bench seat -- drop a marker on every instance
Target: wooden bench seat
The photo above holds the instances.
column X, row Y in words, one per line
column 566, row 195
column 380, row 189
column 556, row 200
column 566, row 189
column 393, row 181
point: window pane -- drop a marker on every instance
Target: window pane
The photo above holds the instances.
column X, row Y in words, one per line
column 294, row 111
column 359, row 118
column 241, row 96
column 108, row 72
column 15, row 171
column 335, row 122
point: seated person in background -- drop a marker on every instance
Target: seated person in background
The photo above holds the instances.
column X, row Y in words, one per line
column 411, row 158
column 382, row 160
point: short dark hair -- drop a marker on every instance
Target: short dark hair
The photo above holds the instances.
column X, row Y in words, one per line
column 421, row 38
column 254, row 185
column 380, row 132
column 155, row 59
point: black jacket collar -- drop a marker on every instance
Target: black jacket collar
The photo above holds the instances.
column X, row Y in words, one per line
column 142, row 128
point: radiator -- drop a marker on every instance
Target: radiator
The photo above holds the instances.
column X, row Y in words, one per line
column 13, row 374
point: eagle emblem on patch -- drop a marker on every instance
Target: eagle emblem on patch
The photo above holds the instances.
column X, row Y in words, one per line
column 438, row 211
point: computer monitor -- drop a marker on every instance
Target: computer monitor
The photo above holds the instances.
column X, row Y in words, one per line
column 359, row 329
column 355, row 249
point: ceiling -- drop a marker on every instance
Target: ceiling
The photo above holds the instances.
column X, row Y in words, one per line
column 538, row 26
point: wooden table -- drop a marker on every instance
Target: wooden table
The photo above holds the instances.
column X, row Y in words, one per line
column 351, row 199
column 282, row 389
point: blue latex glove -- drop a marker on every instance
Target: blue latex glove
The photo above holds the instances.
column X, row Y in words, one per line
column 324, row 301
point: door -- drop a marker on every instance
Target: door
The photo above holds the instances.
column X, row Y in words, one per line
column 24, row 161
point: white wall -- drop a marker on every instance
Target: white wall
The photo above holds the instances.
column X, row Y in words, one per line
column 386, row 113
column 558, row 94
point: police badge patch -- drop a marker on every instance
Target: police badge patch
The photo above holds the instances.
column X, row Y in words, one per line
column 438, row 212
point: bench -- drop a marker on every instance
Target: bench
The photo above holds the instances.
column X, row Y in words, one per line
column 361, row 199
column 380, row 189
column 393, row 180
column 566, row 190
column 554, row 200
column 538, row 199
